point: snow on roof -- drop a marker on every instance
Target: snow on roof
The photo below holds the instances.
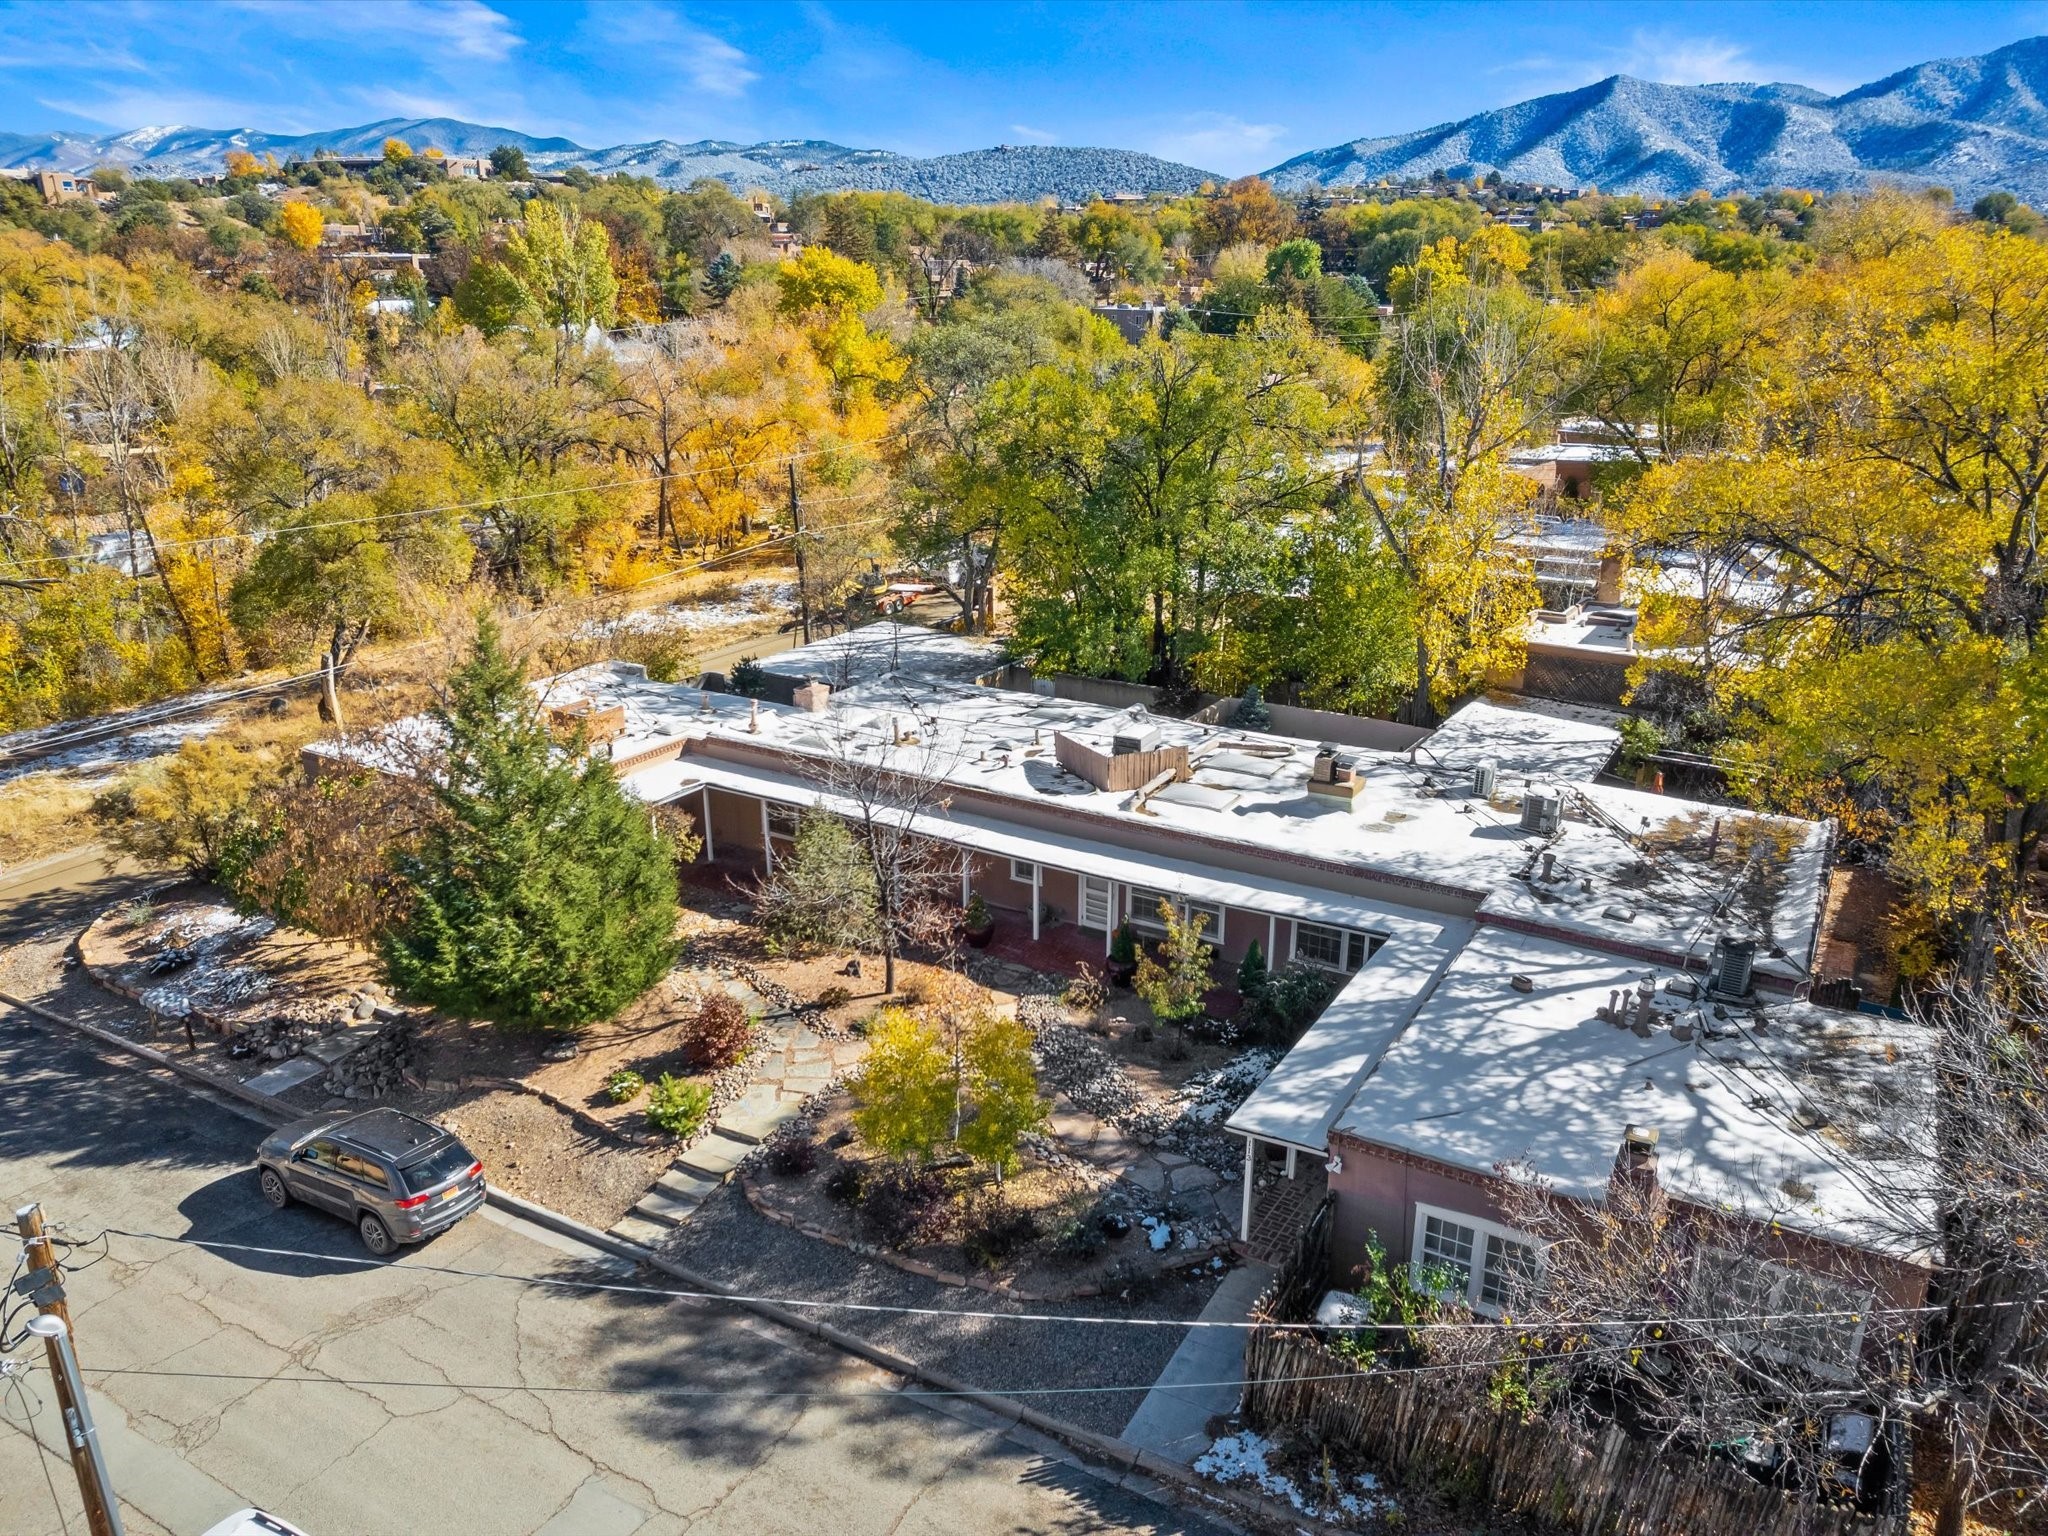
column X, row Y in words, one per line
column 1526, row 742
column 1788, row 1112
column 1303, row 1096
column 1417, row 825
column 888, row 653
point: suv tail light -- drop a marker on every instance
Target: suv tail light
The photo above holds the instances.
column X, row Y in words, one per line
column 412, row 1201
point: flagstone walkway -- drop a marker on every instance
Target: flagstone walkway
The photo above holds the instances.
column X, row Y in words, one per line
column 796, row 1062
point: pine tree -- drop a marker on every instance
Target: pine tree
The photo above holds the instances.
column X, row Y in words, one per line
column 1252, row 974
column 542, row 896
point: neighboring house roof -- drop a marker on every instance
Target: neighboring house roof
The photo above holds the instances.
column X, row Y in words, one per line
column 1785, row 1112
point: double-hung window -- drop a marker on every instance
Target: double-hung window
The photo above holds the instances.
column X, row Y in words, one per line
column 1143, row 908
column 1023, row 871
column 1464, row 1258
column 1343, row 950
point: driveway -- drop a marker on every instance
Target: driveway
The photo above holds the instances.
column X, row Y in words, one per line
column 363, row 1400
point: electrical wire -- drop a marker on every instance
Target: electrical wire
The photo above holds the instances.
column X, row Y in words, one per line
column 664, row 1293
column 483, row 504
column 42, row 1451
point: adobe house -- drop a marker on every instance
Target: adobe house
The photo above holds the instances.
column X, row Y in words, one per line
column 1424, row 873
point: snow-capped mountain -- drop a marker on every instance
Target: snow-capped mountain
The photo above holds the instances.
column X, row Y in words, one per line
column 1975, row 125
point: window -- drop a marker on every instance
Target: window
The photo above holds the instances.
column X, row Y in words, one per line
column 1486, row 1263
column 1023, row 871
column 1094, row 902
column 1344, row 950
column 356, row 1166
column 1741, row 1285
column 781, row 820
column 1142, row 906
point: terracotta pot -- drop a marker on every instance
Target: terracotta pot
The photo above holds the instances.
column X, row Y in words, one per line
column 979, row 937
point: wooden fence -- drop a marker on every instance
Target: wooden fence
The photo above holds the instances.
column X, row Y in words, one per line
column 1409, row 1428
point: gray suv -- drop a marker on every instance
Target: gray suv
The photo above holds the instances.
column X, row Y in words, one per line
column 398, row 1178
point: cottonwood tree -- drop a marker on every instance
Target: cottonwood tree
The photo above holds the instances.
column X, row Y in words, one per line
column 1463, row 379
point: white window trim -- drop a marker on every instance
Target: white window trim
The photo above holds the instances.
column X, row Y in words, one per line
column 1023, row 871
column 1145, row 916
column 1855, row 1298
column 1483, row 1229
column 1344, row 937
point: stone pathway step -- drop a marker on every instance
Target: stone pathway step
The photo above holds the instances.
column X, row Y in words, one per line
column 666, row 1209
column 681, row 1184
column 715, row 1157
column 638, row 1229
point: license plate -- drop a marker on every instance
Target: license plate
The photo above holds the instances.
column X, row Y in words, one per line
column 451, row 1192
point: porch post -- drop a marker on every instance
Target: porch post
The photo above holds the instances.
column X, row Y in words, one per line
column 966, row 864
column 767, row 839
column 1244, row 1220
column 1109, row 928
column 1272, row 941
column 710, row 852
column 1037, row 874
column 1290, row 1162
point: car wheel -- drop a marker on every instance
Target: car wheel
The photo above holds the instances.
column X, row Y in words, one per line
column 376, row 1236
column 273, row 1187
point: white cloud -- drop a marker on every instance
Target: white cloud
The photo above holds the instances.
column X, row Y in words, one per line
column 467, row 29
column 1036, row 135
column 1218, row 141
column 654, row 36
column 1670, row 58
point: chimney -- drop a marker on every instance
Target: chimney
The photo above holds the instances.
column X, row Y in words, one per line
column 1636, row 1161
column 811, row 696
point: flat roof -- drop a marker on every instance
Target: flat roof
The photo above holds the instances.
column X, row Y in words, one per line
column 1313, row 1083
column 1783, row 1112
column 1681, row 871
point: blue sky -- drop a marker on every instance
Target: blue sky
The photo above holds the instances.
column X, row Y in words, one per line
column 1227, row 86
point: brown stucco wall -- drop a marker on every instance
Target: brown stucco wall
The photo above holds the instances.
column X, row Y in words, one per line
column 1378, row 1189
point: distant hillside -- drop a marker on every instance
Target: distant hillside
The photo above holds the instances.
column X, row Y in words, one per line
column 783, row 166
column 1975, row 124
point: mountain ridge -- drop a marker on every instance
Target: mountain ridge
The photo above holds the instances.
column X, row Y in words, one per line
column 1973, row 124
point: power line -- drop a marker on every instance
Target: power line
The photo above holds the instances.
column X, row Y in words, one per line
column 14, row 1382
column 969, row 1314
column 483, row 504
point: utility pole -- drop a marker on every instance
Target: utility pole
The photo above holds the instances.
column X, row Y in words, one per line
column 44, row 1282
column 803, row 589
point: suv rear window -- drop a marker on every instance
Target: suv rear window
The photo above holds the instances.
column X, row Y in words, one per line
column 440, row 1165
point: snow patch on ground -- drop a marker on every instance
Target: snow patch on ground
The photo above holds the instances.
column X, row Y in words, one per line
column 1246, row 1457
column 756, row 596
column 96, row 763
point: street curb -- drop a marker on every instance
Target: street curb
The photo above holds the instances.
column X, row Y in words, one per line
column 1108, row 1452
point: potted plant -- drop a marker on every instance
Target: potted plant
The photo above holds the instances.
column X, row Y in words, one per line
column 978, row 922
column 1123, row 955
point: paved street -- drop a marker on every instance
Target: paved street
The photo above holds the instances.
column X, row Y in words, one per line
column 481, row 1448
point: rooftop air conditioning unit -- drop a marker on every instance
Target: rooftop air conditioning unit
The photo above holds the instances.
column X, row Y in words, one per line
column 1732, row 961
column 1484, row 777
column 1134, row 738
column 1542, row 811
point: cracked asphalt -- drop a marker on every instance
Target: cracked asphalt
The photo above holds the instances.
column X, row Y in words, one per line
column 419, row 1405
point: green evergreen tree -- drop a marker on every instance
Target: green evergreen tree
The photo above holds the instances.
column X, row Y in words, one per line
column 1252, row 974
column 542, row 896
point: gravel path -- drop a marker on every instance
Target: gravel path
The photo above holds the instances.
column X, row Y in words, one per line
column 727, row 1241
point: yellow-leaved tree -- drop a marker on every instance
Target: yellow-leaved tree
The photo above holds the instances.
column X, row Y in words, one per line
column 1864, row 596
column 301, row 223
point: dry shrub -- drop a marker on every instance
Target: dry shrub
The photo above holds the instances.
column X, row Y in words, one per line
column 720, row 1032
